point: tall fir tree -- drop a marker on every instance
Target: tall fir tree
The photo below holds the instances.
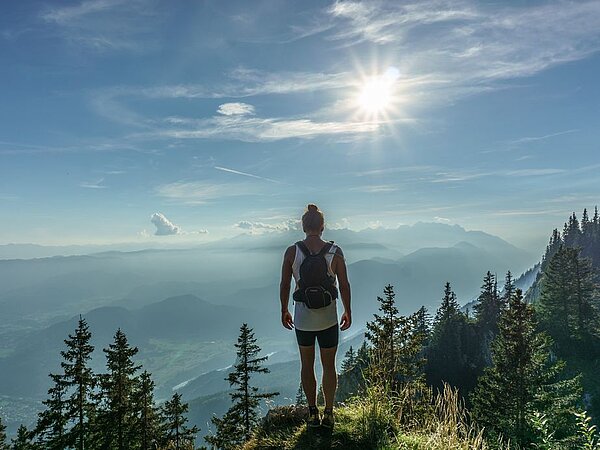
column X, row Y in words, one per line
column 236, row 426
column 3, row 442
column 509, row 289
column 449, row 307
column 116, row 419
column 567, row 303
column 451, row 356
column 22, row 441
column 147, row 426
column 80, row 381
column 382, row 334
column 51, row 426
column 349, row 360
column 300, row 396
column 487, row 313
column 178, row 434
column 396, row 345
column 423, row 324
column 522, row 381
column 350, row 376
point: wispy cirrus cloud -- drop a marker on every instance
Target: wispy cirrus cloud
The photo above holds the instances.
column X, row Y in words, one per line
column 202, row 192
column 105, row 25
column 245, row 174
column 248, row 128
column 96, row 184
column 473, row 42
column 375, row 188
column 534, row 172
column 528, row 139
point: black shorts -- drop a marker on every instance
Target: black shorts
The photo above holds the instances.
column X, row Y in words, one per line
column 327, row 338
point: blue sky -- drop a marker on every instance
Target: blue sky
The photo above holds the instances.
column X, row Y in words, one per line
column 230, row 116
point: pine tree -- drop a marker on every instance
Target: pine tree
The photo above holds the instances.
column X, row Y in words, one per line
column 80, row 380
column 177, row 433
column 488, row 306
column 451, row 357
column 3, row 443
column 423, row 324
column 487, row 313
column 116, row 418
column 522, row 380
column 585, row 222
column 382, row 334
column 566, row 304
column 300, row 396
column 509, row 289
column 236, row 426
column 52, row 422
column 349, row 360
column 449, row 307
column 147, row 421
column 584, row 293
column 350, row 378
column 396, row 345
column 23, row 439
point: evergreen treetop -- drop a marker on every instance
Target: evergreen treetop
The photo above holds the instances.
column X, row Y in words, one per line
column 3, row 443
column 522, row 380
column 80, row 380
column 236, row 426
column 117, row 385
column 178, row 433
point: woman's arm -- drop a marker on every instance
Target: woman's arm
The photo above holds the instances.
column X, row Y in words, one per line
column 344, row 285
column 285, row 286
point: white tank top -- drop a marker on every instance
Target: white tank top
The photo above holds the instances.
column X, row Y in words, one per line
column 306, row 319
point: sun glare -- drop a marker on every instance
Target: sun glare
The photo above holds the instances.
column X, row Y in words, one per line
column 376, row 94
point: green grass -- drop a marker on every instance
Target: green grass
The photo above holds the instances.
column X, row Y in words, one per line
column 372, row 422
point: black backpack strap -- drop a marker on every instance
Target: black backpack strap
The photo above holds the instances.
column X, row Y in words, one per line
column 303, row 248
column 326, row 248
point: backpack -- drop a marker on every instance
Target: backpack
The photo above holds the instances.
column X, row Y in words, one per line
column 316, row 287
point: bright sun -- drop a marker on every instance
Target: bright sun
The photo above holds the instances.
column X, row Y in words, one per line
column 376, row 94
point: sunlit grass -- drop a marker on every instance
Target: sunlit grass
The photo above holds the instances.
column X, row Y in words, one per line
column 375, row 421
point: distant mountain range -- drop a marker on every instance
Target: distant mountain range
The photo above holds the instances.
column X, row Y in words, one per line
column 184, row 322
column 36, row 292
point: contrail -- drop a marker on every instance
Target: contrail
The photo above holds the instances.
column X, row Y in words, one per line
column 225, row 169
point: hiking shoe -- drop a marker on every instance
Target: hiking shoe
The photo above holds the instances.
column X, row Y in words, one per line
column 328, row 420
column 313, row 419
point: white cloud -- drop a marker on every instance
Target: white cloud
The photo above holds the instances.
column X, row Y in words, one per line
column 255, row 129
column 343, row 224
column 533, row 172
column 244, row 82
column 376, row 188
column 198, row 192
column 261, row 227
column 528, row 139
column 164, row 227
column 442, row 219
column 234, row 109
column 93, row 184
column 105, row 25
column 473, row 42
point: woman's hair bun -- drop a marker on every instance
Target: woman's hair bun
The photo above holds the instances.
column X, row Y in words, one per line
column 312, row 207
